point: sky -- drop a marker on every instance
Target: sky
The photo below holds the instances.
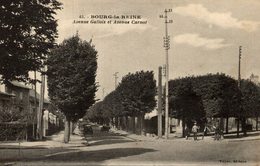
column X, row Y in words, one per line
column 204, row 36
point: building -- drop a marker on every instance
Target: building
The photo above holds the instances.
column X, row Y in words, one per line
column 20, row 101
column 21, row 96
column 6, row 101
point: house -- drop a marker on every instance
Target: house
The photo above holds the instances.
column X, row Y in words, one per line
column 21, row 95
column 5, row 100
column 34, row 104
column 5, row 106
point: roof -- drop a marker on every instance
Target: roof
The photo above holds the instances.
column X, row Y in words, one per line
column 32, row 95
column 18, row 84
column 6, row 94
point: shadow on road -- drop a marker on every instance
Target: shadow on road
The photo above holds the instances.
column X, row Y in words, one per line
column 106, row 138
column 109, row 141
column 97, row 155
column 234, row 136
column 12, row 154
column 72, row 155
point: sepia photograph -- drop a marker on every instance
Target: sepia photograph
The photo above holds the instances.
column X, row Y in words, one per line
column 129, row 82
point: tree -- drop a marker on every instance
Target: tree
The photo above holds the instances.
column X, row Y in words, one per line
column 134, row 96
column 113, row 108
column 138, row 92
column 196, row 98
column 27, row 33
column 94, row 113
column 184, row 103
column 71, row 78
column 250, row 102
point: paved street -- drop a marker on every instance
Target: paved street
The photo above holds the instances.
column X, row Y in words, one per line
column 118, row 149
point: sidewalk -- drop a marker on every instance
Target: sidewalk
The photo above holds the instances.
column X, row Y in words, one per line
column 77, row 140
column 227, row 137
column 134, row 137
column 53, row 141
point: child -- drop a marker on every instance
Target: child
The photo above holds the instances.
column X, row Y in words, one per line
column 195, row 130
column 187, row 132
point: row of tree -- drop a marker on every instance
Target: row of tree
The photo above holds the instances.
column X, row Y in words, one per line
column 133, row 97
column 190, row 99
column 202, row 97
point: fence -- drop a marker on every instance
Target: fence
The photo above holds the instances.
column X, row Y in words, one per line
column 13, row 131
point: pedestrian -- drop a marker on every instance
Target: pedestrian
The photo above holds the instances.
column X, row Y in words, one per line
column 221, row 134
column 187, row 133
column 205, row 130
column 195, row 129
column 217, row 132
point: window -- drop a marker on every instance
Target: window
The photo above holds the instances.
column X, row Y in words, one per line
column 21, row 95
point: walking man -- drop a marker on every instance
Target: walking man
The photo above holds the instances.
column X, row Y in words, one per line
column 205, row 131
column 195, row 129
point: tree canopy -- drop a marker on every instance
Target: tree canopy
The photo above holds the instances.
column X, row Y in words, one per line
column 204, row 96
column 27, row 33
column 250, row 99
column 71, row 77
column 138, row 92
column 134, row 96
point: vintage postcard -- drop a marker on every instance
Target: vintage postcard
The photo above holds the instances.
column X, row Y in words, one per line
column 130, row 82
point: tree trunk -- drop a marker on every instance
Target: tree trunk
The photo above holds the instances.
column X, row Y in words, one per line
column 183, row 127
column 33, row 132
column 121, row 125
column 237, row 127
column 26, row 133
column 244, row 126
column 67, row 131
column 133, row 124
column 221, row 125
column 110, row 122
column 142, row 126
column 256, row 124
column 116, row 122
column 140, row 123
column 126, row 123
column 71, row 127
column 227, row 125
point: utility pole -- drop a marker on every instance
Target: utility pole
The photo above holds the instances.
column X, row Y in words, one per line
column 167, row 47
column 35, row 112
column 239, row 84
column 239, row 64
column 116, row 77
column 160, row 103
column 40, row 110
